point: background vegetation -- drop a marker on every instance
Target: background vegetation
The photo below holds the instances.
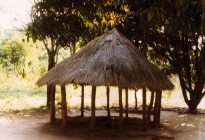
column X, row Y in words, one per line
column 169, row 33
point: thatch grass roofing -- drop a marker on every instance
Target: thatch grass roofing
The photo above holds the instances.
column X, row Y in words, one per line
column 108, row 60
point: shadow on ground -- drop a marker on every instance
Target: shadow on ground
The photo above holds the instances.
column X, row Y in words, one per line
column 106, row 128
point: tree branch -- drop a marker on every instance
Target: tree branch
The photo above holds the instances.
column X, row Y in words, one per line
column 183, row 87
column 181, row 79
column 57, row 54
column 46, row 45
column 187, row 60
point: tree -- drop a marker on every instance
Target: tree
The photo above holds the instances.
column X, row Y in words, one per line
column 56, row 25
column 169, row 31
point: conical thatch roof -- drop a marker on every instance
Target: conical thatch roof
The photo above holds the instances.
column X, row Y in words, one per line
column 108, row 60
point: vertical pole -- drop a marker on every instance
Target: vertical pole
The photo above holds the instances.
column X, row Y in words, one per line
column 156, row 109
column 120, row 110
column 64, row 106
column 126, row 101
column 159, row 107
column 108, row 101
column 150, row 106
column 93, row 108
column 135, row 99
column 144, row 109
column 48, row 95
column 52, row 104
column 82, row 101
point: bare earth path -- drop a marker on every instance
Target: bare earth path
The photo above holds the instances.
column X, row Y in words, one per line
column 34, row 125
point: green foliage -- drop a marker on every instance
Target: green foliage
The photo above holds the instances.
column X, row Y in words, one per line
column 20, row 58
column 168, row 33
column 12, row 56
column 57, row 21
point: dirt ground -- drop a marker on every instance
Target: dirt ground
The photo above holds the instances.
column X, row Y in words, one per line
column 34, row 125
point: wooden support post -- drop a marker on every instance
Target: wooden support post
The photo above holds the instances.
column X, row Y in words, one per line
column 93, row 108
column 52, row 105
column 150, row 106
column 64, row 106
column 120, row 110
column 159, row 107
column 135, row 99
column 108, row 101
column 156, row 110
column 144, row 109
column 126, row 101
column 48, row 96
column 82, row 101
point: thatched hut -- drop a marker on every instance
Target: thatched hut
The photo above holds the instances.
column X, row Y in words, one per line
column 108, row 60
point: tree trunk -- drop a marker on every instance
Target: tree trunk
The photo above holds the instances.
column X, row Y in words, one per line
column 82, row 101
column 64, row 106
column 52, row 105
column 192, row 104
column 120, row 110
column 73, row 48
column 144, row 109
column 195, row 95
column 93, row 108
column 126, row 101
column 51, row 64
column 108, row 101
column 150, row 106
